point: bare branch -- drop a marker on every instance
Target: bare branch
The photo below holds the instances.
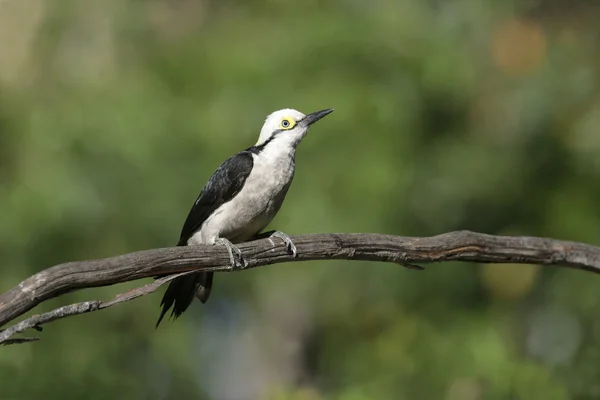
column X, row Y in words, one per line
column 454, row 246
column 36, row 321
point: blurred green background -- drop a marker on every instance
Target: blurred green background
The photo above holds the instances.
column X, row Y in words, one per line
column 456, row 114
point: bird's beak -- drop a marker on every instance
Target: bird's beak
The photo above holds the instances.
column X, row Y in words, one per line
column 314, row 117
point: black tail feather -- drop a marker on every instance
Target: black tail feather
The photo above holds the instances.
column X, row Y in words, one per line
column 181, row 292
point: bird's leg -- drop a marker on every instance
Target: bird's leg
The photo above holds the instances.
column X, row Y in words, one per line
column 240, row 262
column 289, row 245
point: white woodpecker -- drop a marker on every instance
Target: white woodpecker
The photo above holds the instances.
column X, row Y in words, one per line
column 239, row 200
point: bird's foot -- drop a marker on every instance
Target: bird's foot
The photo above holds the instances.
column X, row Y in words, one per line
column 289, row 245
column 238, row 260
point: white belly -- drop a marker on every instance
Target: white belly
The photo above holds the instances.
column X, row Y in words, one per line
column 254, row 207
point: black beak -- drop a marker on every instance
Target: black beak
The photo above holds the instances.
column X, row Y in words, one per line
column 314, row 117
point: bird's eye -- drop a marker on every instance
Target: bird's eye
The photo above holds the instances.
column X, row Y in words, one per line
column 287, row 123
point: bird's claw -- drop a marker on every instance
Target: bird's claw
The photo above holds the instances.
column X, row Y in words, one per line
column 238, row 261
column 289, row 245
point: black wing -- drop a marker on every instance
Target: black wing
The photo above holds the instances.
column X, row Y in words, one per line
column 223, row 185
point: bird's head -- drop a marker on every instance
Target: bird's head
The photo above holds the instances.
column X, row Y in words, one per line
column 287, row 127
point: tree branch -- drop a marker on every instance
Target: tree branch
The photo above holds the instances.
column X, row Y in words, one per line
column 454, row 246
column 36, row 321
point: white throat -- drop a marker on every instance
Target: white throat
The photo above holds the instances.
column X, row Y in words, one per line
column 279, row 146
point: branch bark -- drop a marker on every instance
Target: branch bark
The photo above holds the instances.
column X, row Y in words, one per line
column 453, row 246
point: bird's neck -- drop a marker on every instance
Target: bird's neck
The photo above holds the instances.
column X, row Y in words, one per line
column 276, row 151
column 280, row 146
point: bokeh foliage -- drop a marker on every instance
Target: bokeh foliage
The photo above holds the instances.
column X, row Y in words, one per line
column 457, row 114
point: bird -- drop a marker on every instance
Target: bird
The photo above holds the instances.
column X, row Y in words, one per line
column 239, row 200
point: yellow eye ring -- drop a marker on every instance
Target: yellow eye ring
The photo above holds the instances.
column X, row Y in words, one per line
column 287, row 123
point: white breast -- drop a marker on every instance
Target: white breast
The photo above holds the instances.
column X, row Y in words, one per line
column 257, row 203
